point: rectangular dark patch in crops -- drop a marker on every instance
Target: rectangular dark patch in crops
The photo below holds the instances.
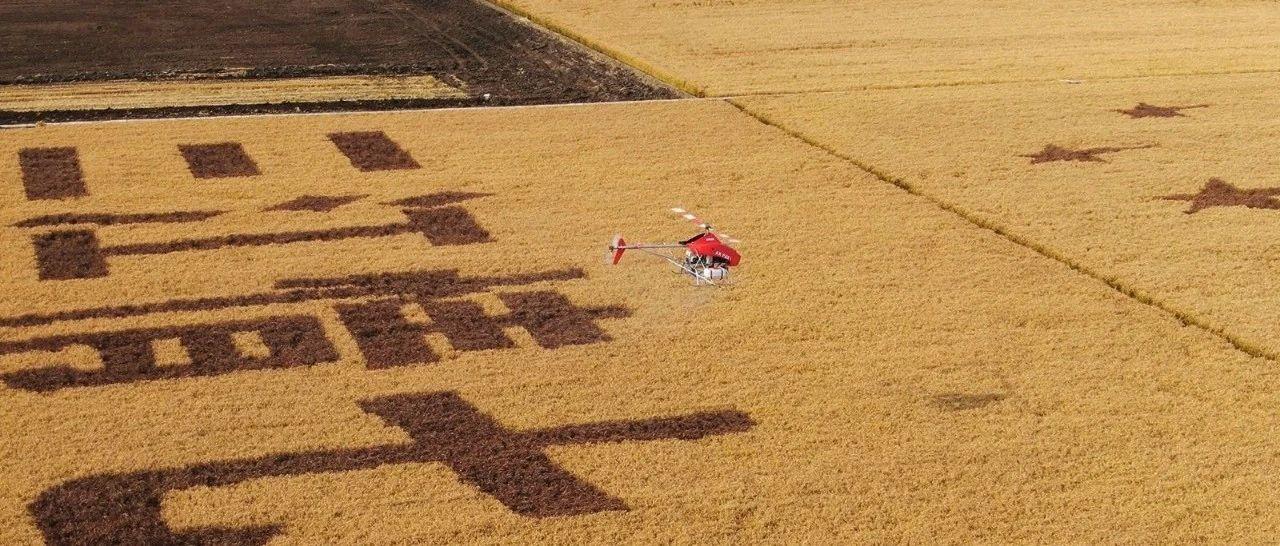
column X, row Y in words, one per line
column 51, row 173
column 221, row 160
column 70, row 254
column 372, row 151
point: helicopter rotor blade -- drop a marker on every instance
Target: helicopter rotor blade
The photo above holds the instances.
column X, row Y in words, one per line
column 690, row 217
column 693, row 218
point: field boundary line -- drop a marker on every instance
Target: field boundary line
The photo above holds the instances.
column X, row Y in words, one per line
column 977, row 83
column 631, row 61
column 28, row 125
column 1187, row 319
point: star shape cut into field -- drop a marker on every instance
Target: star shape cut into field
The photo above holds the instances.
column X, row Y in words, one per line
column 1144, row 110
column 1053, row 152
column 1218, row 193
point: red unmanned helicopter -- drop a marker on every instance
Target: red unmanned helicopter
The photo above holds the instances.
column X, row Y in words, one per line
column 707, row 255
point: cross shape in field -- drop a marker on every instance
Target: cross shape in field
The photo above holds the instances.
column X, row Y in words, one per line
column 1218, row 193
column 1053, row 152
column 1144, row 110
column 508, row 465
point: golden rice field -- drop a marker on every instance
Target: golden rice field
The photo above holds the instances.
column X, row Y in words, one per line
column 1173, row 204
column 744, row 47
column 1007, row 278
column 885, row 370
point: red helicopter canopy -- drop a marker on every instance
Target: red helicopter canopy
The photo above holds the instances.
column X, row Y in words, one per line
column 708, row 244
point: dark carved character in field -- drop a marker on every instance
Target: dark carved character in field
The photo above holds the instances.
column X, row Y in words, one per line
column 1218, row 193
column 210, row 349
column 1053, row 152
column 79, row 254
column 385, row 336
column 443, row 427
column 63, row 253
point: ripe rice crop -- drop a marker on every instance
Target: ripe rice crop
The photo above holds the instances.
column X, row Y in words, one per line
column 1160, row 185
column 397, row 327
column 742, row 47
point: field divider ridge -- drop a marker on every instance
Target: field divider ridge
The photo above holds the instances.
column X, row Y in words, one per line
column 1004, row 81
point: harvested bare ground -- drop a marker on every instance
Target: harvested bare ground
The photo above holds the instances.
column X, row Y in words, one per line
column 478, row 55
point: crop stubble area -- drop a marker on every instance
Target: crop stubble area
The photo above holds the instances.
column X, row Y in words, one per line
column 277, row 369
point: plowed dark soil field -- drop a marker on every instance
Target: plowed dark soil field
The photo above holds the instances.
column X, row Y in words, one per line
column 491, row 56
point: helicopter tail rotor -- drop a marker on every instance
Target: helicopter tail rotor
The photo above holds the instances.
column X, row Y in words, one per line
column 617, row 247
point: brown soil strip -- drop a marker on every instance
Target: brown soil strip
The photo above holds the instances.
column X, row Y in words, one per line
column 436, row 283
column 316, row 203
column 119, row 219
column 443, row 226
column 423, row 284
column 261, row 239
column 51, row 173
column 222, row 160
column 694, row 426
column 372, row 151
column 509, row 466
column 1218, row 193
column 436, row 199
column 10, row 117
